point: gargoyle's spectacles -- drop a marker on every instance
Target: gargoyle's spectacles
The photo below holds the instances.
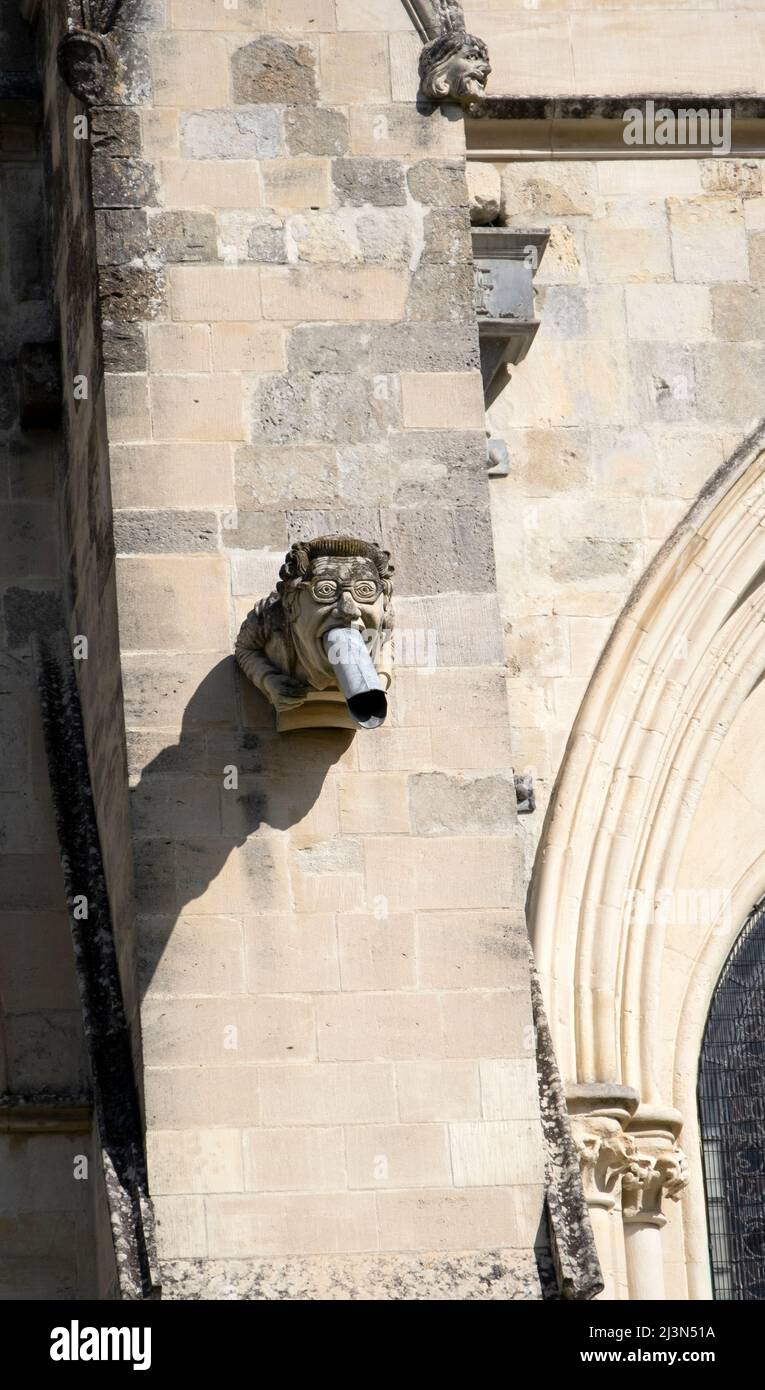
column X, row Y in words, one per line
column 328, row 590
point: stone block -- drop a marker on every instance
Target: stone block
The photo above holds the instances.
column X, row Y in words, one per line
column 291, row 1224
column 121, row 235
column 162, row 690
column 708, row 239
column 295, row 1160
column 388, row 1026
column 331, row 347
column 466, row 1220
column 449, row 630
column 218, row 1032
column 471, row 950
column 301, row 181
column 374, row 803
column 161, row 532
column 195, row 955
column 487, row 1023
column 376, row 953
column 291, row 953
column 159, row 132
column 409, row 131
column 433, row 400
column 165, row 475
column 443, row 805
column 314, row 16
column 442, row 293
column 484, row 192
column 400, row 1155
column 727, row 383
column 627, row 255
column 447, row 238
column 227, row 292
column 128, row 293
column 184, row 236
column 328, row 1093
column 116, row 131
column 122, row 183
column 37, row 961
column 254, row 236
column 327, row 877
column 354, row 68
column 669, row 313
column 185, row 71
column 489, row 1153
column 209, row 14
column 321, row 409
column 202, row 1096
column 248, row 347
column 345, row 294
column 739, row 312
column 438, row 183
column 431, row 347
column 211, row 183
column 320, row 237
column 316, row 130
column 173, row 603
column 510, row 1089
column 188, row 1161
column 432, row 874
column 364, row 179
column 757, row 257
column 272, row 70
column 386, row 234
column 438, row 1090
column 243, row 132
column 197, row 407
column 278, row 477
column 180, row 1225
column 127, row 406
column 447, row 550
column 223, row 876
column 179, row 347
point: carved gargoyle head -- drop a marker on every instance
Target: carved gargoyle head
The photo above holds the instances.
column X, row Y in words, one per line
column 331, row 583
column 87, row 63
column 455, row 66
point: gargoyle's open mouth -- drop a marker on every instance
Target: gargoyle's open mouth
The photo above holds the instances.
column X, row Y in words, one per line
column 356, row 675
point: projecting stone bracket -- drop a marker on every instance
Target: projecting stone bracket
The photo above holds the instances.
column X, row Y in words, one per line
column 454, row 65
column 505, row 261
column 86, row 57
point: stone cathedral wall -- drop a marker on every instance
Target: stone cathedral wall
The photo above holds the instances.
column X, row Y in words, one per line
column 262, row 287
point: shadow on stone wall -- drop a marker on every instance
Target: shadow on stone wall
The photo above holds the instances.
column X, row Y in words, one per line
column 210, row 814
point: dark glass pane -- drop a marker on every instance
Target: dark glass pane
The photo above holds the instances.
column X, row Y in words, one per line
column 732, row 1118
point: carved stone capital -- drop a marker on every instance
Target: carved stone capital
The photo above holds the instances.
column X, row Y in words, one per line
column 599, row 1116
column 658, row 1169
column 454, row 67
column 604, row 1153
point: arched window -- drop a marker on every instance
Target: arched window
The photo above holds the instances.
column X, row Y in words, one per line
column 732, row 1117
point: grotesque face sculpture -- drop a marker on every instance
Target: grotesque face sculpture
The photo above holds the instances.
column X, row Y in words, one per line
column 318, row 646
column 455, row 65
column 338, row 592
column 86, row 62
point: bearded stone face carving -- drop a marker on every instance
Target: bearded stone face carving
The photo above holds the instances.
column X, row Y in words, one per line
column 87, row 62
column 455, row 66
column 319, row 646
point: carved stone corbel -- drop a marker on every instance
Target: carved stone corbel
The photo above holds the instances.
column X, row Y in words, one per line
column 657, row 1170
column 86, row 57
column 454, row 65
column 604, row 1154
